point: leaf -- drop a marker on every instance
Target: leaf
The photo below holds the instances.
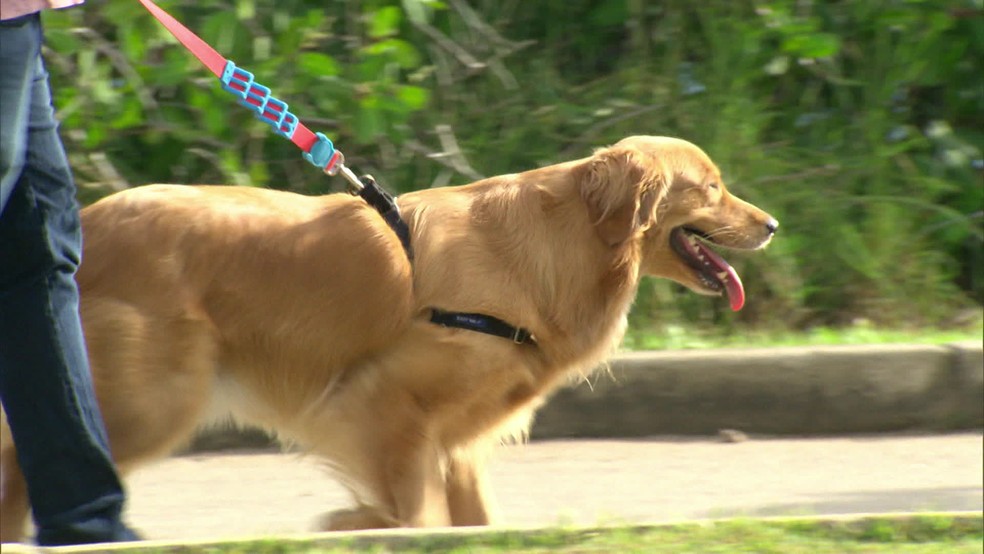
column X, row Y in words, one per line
column 385, row 22
column 413, row 97
column 133, row 43
column 417, row 11
column 215, row 111
column 779, row 65
column 317, row 64
column 245, row 9
column 369, row 120
column 220, row 29
column 813, row 45
column 262, row 47
column 259, row 173
column 231, row 167
column 94, row 136
column 854, row 251
column 102, row 91
column 131, row 116
column 608, row 14
column 400, row 51
column 62, row 41
column 175, row 70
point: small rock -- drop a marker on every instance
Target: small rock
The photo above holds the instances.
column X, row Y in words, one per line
column 732, row 435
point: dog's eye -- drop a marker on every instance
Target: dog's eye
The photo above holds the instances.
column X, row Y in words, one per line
column 715, row 185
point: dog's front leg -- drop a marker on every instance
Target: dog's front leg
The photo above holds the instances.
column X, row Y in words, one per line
column 418, row 486
column 468, row 493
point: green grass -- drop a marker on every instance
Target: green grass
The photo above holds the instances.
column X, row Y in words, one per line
column 676, row 337
column 924, row 534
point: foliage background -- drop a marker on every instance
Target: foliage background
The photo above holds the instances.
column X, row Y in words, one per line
column 860, row 125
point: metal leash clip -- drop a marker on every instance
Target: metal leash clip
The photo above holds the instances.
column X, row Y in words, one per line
column 355, row 184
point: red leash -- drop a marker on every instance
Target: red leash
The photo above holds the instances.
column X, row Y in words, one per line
column 317, row 148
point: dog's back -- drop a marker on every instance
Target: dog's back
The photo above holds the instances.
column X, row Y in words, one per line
column 200, row 301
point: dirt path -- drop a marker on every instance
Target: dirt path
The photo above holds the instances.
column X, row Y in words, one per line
column 588, row 482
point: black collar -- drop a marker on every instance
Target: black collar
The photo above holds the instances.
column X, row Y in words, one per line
column 483, row 324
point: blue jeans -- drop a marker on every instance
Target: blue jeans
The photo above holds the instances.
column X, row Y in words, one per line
column 45, row 384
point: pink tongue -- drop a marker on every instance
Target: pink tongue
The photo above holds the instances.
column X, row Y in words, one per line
column 732, row 283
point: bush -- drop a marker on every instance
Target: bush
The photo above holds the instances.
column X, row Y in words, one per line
column 858, row 124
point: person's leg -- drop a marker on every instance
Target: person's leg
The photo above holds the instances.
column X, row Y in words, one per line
column 15, row 100
column 45, row 385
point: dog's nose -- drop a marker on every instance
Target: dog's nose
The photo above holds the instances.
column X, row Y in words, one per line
column 772, row 225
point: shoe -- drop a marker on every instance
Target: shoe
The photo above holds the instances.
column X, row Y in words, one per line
column 89, row 532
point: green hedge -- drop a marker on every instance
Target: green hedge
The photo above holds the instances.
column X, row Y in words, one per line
column 860, row 125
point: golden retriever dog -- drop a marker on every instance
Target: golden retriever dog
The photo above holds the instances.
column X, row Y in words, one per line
column 303, row 315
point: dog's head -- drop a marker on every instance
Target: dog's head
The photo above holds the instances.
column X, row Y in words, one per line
column 668, row 195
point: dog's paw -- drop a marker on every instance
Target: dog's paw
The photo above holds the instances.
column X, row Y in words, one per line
column 354, row 519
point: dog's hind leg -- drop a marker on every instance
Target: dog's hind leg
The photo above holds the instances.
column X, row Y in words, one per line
column 13, row 491
column 154, row 375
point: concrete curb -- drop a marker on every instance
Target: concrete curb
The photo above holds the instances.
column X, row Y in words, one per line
column 798, row 391
column 779, row 391
column 446, row 538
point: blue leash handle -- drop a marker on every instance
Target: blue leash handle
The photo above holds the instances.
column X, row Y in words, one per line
column 273, row 111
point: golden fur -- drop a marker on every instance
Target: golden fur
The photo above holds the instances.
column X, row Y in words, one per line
column 303, row 316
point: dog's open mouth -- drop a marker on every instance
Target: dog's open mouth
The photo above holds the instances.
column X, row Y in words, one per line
column 713, row 271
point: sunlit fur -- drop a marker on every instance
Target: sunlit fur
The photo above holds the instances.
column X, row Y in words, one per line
column 301, row 315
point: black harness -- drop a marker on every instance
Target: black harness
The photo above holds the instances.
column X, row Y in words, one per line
column 385, row 204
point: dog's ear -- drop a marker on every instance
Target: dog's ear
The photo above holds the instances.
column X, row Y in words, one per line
column 621, row 187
